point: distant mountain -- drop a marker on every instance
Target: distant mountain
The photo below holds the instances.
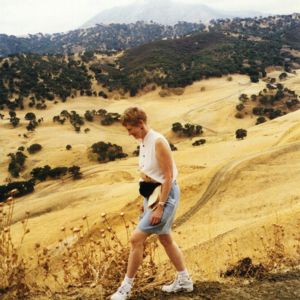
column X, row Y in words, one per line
column 163, row 12
column 100, row 37
column 244, row 46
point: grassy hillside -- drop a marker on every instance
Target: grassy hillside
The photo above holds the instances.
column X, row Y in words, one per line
column 234, row 199
column 28, row 79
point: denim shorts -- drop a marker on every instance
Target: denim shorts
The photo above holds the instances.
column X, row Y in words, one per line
column 164, row 226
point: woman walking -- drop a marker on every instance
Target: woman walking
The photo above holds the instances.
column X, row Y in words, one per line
column 157, row 168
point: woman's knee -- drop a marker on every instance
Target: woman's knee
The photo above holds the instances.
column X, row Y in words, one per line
column 166, row 240
column 137, row 239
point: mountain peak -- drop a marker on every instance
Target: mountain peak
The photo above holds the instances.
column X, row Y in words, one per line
column 166, row 12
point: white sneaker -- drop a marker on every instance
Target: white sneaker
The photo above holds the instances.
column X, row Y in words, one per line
column 123, row 292
column 181, row 283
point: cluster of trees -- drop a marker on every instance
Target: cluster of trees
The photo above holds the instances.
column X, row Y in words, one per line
column 106, row 118
column 33, row 122
column 167, row 63
column 38, row 174
column 77, row 121
column 74, row 118
column 178, row 63
column 16, row 164
column 108, row 152
column 272, row 102
column 15, row 121
column 22, row 187
column 279, row 27
column 40, row 78
column 43, row 173
column 187, row 129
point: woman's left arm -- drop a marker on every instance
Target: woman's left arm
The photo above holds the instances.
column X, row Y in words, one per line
column 164, row 158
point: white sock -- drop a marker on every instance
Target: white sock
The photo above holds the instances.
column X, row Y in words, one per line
column 128, row 280
column 184, row 273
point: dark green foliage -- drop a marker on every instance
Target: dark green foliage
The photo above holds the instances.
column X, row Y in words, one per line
column 89, row 116
column 43, row 173
column 68, row 147
column 260, row 120
column 292, row 103
column 240, row 107
column 108, row 152
column 42, row 77
column 243, row 97
column 57, row 172
column 32, row 125
column 22, row 187
column 254, row 78
column 272, row 102
column 189, row 130
column 192, row 130
column 14, row 121
column 275, row 114
column 177, row 127
column 87, row 56
column 199, row 142
column 102, row 94
column 21, row 148
column 183, row 61
column 34, row 148
column 258, row 111
column 12, row 114
column 30, row 116
column 240, row 134
column 283, row 76
column 102, row 112
column 16, row 164
column 74, row 118
column 75, row 172
column 40, row 173
column 110, row 118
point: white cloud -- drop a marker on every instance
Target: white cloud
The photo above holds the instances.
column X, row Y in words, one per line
column 264, row 6
column 49, row 16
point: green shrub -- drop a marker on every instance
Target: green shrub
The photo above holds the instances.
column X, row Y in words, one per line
column 108, row 152
column 34, row 148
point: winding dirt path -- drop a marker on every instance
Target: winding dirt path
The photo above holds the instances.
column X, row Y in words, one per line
column 223, row 175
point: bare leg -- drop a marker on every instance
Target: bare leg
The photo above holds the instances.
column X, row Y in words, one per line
column 136, row 252
column 172, row 251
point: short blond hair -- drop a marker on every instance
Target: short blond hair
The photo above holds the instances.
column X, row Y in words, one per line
column 133, row 116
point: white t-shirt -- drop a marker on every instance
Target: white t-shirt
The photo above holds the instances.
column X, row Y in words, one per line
column 148, row 163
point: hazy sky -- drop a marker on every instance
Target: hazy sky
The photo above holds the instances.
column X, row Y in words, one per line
column 20, row 17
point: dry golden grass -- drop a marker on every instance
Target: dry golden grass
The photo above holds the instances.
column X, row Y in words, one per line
column 232, row 192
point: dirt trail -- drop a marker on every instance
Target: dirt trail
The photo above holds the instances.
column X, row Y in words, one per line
column 281, row 286
column 222, row 177
column 273, row 287
column 186, row 114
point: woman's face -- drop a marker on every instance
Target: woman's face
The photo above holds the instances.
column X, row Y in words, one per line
column 136, row 131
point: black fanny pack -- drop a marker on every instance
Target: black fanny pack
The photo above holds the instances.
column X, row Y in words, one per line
column 147, row 188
